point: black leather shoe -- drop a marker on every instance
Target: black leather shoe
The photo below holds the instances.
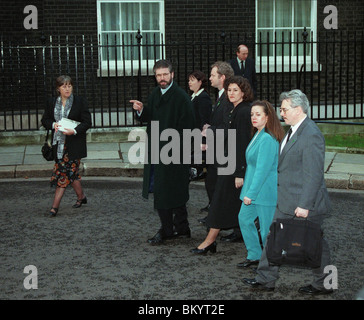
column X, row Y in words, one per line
column 79, row 203
column 202, row 220
column 232, row 237
column 256, row 285
column 186, row 234
column 158, row 238
column 211, row 247
column 313, row 291
column 247, row 263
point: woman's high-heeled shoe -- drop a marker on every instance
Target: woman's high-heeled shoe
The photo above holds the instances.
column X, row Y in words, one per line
column 211, row 247
column 79, row 203
column 53, row 214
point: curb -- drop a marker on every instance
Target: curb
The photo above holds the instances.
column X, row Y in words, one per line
column 344, row 150
column 97, row 169
column 106, row 169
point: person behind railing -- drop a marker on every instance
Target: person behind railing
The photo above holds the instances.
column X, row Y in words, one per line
column 245, row 66
column 69, row 145
column 202, row 106
column 259, row 192
column 225, row 203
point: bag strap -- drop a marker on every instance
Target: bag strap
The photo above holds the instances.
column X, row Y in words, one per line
column 46, row 139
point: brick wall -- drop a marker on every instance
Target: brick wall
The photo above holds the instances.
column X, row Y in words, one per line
column 208, row 16
column 190, row 16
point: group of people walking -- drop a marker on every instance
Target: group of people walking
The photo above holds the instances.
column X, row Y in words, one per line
column 275, row 174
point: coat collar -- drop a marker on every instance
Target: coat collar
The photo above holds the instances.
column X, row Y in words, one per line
column 255, row 138
column 169, row 92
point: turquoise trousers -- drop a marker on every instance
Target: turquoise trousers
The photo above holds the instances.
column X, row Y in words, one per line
column 247, row 215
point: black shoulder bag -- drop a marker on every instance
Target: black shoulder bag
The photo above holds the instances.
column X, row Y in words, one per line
column 47, row 151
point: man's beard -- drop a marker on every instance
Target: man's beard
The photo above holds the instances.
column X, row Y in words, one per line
column 164, row 84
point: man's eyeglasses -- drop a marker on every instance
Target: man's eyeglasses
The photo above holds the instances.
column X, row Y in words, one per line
column 284, row 110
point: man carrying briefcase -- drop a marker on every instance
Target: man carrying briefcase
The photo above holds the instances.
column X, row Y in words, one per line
column 301, row 187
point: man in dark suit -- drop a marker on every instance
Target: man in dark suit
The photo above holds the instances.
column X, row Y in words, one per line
column 244, row 66
column 301, row 186
column 220, row 71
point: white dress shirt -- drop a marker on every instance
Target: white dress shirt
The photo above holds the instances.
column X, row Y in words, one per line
column 294, row 129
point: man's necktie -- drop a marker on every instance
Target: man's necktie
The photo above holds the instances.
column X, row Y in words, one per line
column 289, row 134
column 242, row 66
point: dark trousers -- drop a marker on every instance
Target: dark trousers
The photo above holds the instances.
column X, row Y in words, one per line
column 174, row 220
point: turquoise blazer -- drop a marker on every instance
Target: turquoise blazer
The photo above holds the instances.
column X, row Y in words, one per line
column 260, row 182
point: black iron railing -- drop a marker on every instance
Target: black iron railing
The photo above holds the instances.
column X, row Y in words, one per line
column 328, row 67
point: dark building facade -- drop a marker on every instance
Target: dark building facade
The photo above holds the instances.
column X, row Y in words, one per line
column 326, row 63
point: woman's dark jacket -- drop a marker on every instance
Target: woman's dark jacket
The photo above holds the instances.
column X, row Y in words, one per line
column 202, row 106
column 75, row 144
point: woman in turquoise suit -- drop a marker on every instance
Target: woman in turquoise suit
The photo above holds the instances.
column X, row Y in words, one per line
column 259, row 192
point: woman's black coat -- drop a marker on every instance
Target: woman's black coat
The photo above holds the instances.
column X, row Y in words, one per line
column 225, row 204
column 76, row 144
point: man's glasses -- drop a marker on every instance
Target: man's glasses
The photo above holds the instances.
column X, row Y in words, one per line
column 284, row 110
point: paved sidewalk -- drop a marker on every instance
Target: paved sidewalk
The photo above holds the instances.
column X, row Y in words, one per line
column 342, row 170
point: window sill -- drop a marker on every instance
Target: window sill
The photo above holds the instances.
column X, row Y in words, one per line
column 126, row 69
column 286, row 66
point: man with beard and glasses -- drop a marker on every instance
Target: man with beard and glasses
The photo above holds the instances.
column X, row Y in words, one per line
column 170, row 107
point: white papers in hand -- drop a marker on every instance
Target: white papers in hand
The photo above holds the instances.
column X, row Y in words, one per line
column 65, row 123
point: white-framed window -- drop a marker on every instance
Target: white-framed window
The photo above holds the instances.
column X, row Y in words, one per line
column 118, row 23
column 283, row 22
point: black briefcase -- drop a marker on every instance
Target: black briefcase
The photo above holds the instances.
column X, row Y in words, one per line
column 296, row 242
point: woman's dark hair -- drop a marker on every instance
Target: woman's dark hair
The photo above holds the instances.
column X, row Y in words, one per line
column 200, row 76
column 244, row 86
column 273, row 125
column 61, row 80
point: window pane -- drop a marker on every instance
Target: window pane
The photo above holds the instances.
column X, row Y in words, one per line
column 265, row 43
column 150, row 16
column 302, row 13
column 110, row 17
column 283, row 13
column 110, row 43
column 129, row 46
column 265, row 13
column 152, row 46
column 283, row 38
column 130, row 19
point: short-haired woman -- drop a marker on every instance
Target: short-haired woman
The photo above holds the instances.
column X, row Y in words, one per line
column 69, row 145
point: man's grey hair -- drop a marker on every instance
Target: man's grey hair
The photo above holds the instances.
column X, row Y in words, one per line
column 223, row 68
column 296, row 98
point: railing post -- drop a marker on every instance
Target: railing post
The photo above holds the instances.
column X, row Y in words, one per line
column 139, row 40
column 43, row 40
column 304, row 35
column 223, row 36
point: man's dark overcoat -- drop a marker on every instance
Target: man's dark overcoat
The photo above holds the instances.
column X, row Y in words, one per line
column 172, row 110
